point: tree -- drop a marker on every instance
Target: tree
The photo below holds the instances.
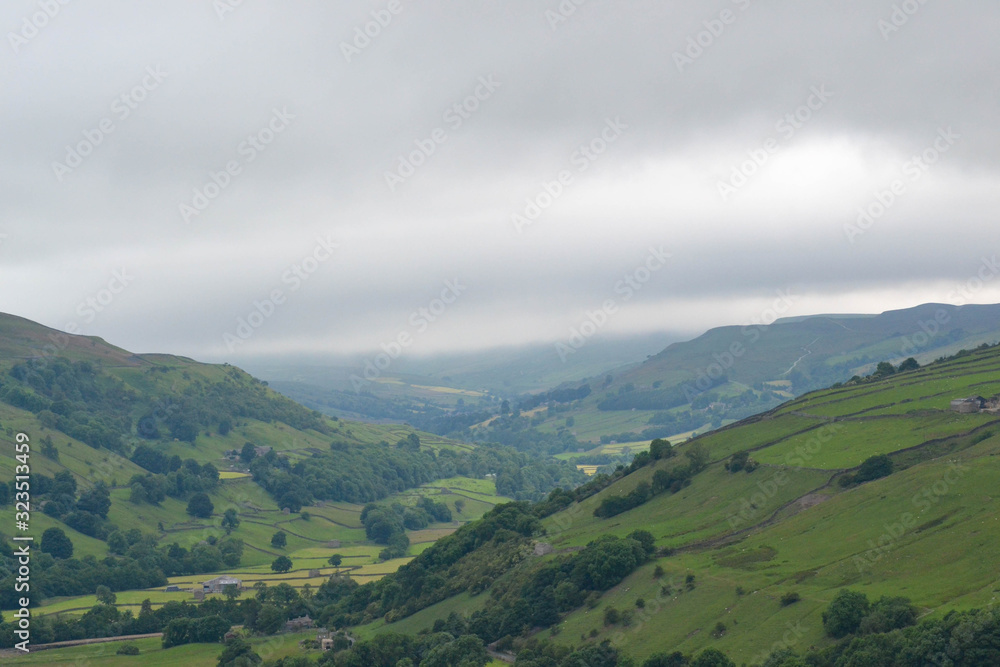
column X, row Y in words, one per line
column 844, row 614
column 269, row 619
column 698, row 456
column 281, row 564
column 884, row 369
column 279, row 540
column 661, row 449
column 105, row 595
column 888, row 614
column 56, row 544
column 231, row 591
column 238, row 652
column 410, row 442
column 459, row 505
column 230, row 521
column 117, row 544
column 466, row 650
column 874, row 467
column 248, row 453
column 910, row 364
column 712, row 658
column 200, row 506
column 675, row 659
column 49, row 449
column 335, row 560
column 96, row 501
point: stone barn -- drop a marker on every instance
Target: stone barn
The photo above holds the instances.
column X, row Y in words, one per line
column 968, row 405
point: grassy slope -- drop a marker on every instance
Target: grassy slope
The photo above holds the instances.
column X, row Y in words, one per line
column 163, row 376
column 930, row 531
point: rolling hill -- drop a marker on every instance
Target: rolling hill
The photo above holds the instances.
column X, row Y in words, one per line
column 151, row 431
column 747, row 562
column 730, row 373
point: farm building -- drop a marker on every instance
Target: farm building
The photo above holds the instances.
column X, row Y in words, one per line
column 297, row 624
column 172, row 589
column 968, row 405
column 218, row 585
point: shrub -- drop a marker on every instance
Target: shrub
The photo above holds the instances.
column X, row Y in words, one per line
column 790, row 597
column 127, row 649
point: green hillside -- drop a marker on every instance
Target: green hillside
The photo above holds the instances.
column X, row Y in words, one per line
column 122, row 443
column 730, row 373
column 731, row 545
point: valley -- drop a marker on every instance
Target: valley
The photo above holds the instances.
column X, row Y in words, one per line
column 736, row 518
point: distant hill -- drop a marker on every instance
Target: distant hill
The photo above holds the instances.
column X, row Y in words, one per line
column 729, row 373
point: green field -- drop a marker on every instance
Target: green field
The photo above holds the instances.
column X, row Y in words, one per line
column 152, row 653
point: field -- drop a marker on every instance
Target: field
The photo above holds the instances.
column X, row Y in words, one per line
column 260, row 518
column 152, row 653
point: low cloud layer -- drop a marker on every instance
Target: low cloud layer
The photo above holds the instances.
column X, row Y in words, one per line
column 226, row 181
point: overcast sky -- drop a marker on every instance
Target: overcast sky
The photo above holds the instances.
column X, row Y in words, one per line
column 729, row 148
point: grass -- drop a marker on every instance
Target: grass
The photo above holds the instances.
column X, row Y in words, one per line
column 929, row 531
column 152, row 653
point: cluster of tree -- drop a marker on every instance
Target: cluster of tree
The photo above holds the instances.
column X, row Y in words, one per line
column 564, row 395
column 136, row 562
column 671, row 479
column 86, row 514
column 874, row 467
column 75, row 398
column 387, row 525
column 517, row 431
column 467, row 560
column 440, row 649
column 883, row 370
column 169, row 476
column 204, row 630
column 264, row 612
column 83, row 401
column 368, row 473
column 536, row 597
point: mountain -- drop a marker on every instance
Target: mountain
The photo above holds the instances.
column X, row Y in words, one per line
column 729, row 373
column 742, row 540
